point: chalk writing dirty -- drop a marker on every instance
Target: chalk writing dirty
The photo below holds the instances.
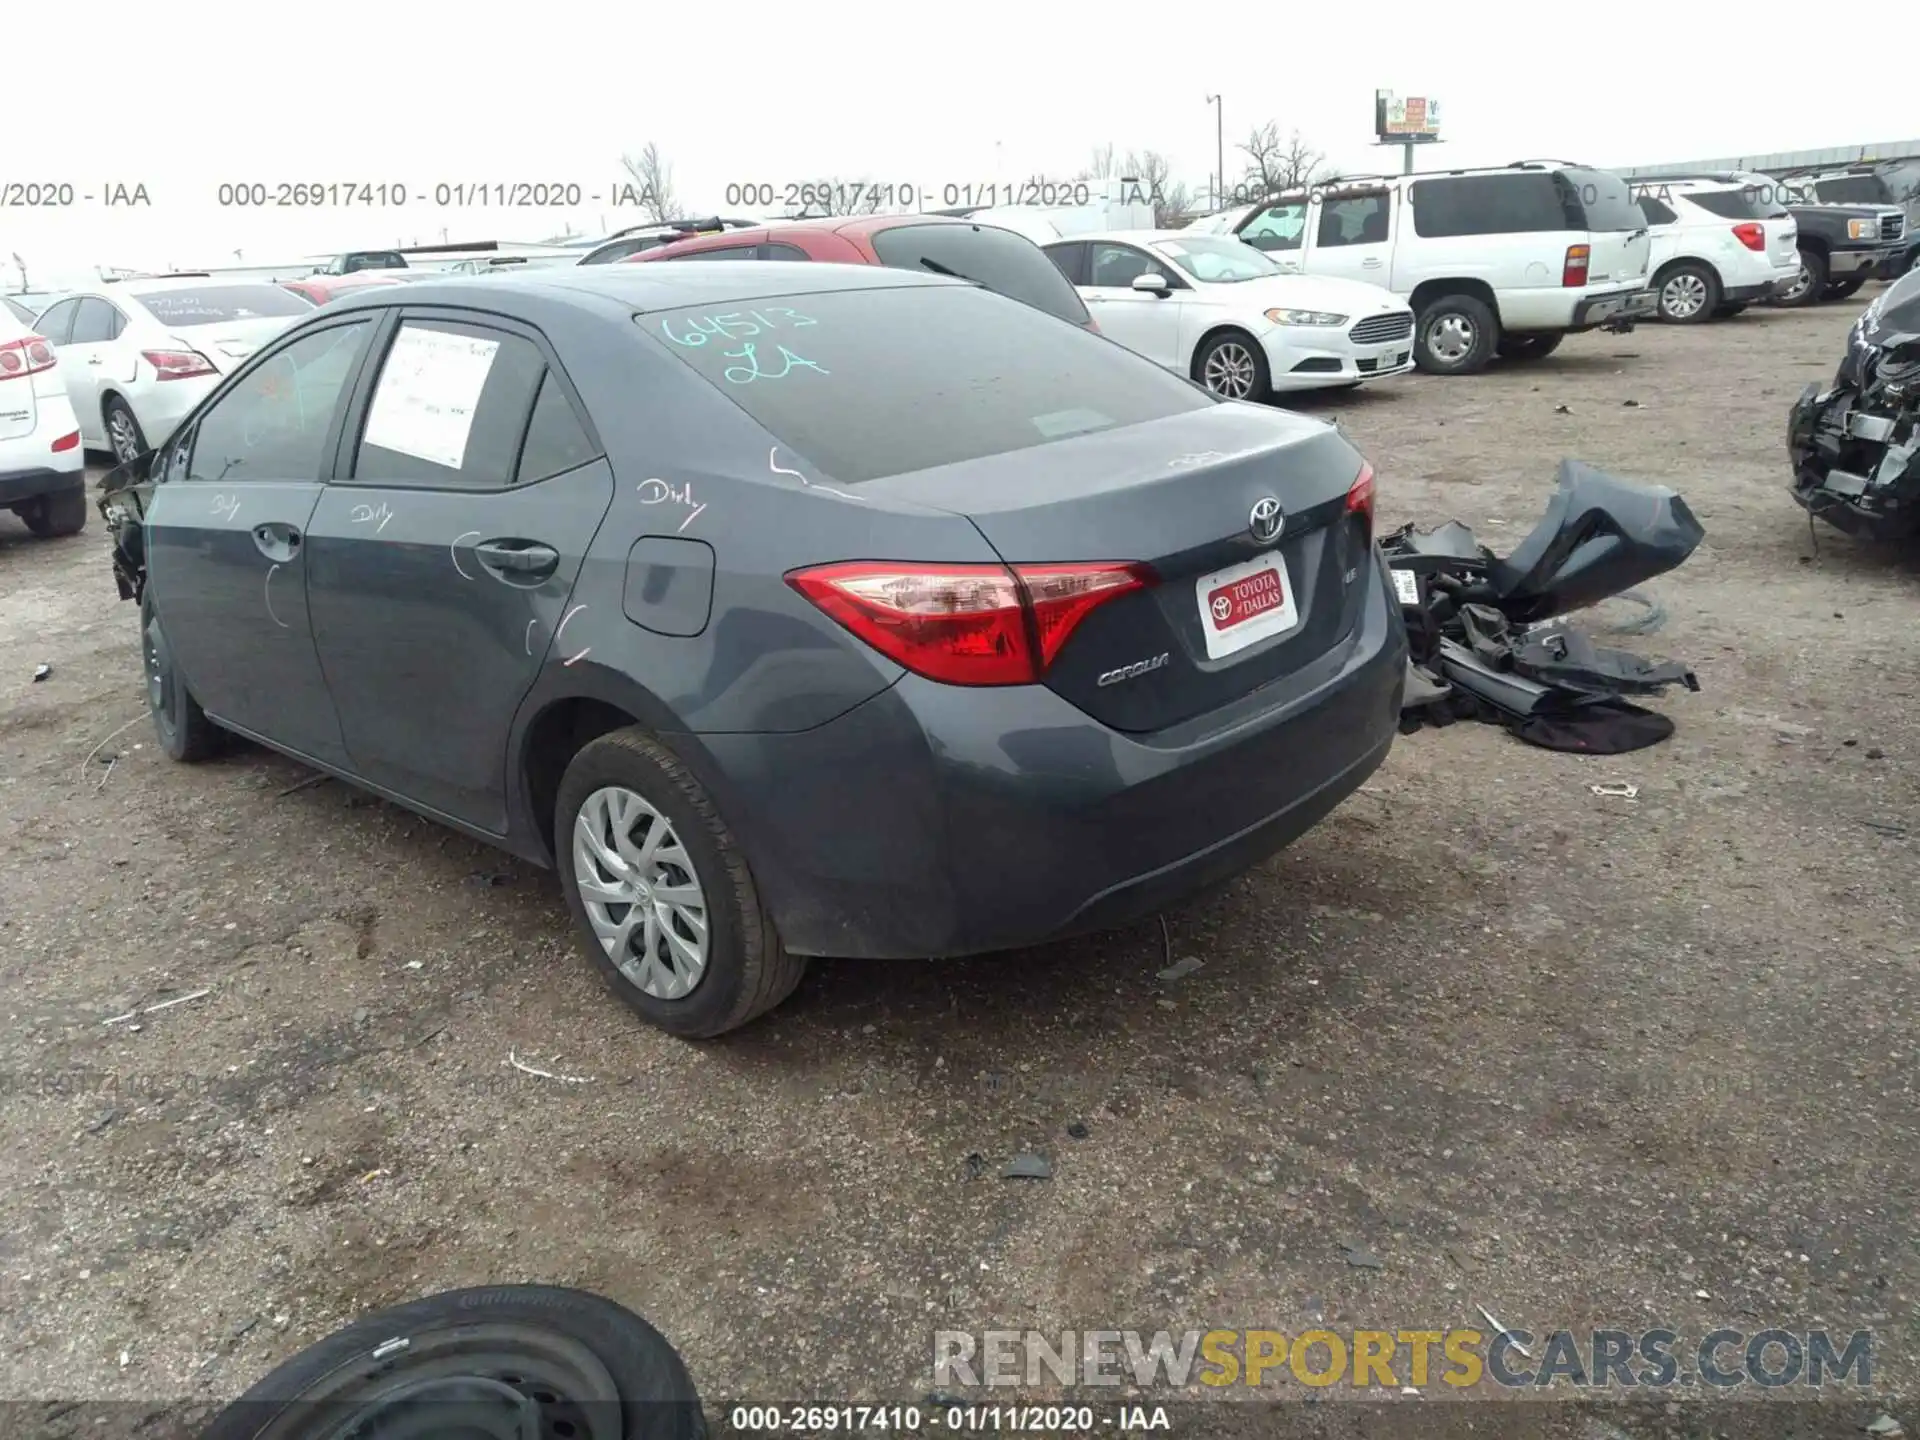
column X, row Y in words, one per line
column 561, row 628
column 454, row 551
column 748, row 373
column 735, row 325
column 659, row 492
column 266, row 589
column 226, row 506
column 375, row 515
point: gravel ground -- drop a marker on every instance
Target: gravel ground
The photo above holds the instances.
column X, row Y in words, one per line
column 1580, row 1060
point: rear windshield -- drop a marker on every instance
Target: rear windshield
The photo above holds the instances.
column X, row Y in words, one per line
column 1605, row 199
column 1751, row 202
column 219, row 304
column 870, row 383
column 997, row 259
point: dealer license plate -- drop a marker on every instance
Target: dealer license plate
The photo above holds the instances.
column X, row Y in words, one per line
column 1245, row 604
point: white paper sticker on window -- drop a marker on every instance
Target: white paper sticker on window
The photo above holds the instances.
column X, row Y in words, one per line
column 427, row 392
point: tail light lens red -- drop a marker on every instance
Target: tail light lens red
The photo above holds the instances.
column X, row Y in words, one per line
column 1574, row 271
column 66, row 442
column 967, row 624
column 1751, row 235
column 178, row 364
column 1360, row 497
column 28, row 355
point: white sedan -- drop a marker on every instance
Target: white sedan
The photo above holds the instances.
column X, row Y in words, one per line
column 138, row 355
column 1215, row 309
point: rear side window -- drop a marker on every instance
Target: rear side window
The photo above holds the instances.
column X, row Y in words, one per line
column 1603, row 198
column 776, row 251
column 997, row 259
column 1354, row 220
column 1519, row 203
column 727, row 252
column 1656, row 213
column 869, row 383
column 1070, row 260
column 450, row 408
column 556, row 441
column 1731, row 204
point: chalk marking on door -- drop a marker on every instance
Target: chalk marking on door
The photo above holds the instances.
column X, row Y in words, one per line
column 266, row 589
column 454, row 551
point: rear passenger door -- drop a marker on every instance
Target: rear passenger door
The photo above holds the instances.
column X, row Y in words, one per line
column 442, row 561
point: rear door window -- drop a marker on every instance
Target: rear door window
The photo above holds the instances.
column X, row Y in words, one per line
column 774, row 250
column 1070, row 260
column 869, row 383
column 1522, row 202
column 450, row 407
column 1002, row 261
column 94, row 325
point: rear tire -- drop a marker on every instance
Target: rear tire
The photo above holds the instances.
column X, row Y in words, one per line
column 183, row 729
column 1455, row 335
column 580, row 1363
column 1841, row 289
column 1528, row 347
column 1689, row 293
column 1809, row 284
column 1233, row 366
column 701, row 956
column 50, row 515
column 124, row 434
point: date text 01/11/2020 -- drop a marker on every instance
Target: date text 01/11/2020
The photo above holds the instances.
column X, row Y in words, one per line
column 844, row 197
column 442, row 194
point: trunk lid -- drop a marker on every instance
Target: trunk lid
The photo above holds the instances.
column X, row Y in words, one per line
column 1179, row 494
column 229, row 343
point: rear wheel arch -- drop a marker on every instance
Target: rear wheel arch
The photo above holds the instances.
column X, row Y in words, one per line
column 555, row 735
column 1428, row 291
column 1678, row 262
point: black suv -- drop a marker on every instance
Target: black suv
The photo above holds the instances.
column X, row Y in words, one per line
column 1879, row 183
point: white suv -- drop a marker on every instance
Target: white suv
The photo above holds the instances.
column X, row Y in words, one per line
column 43, row 475
column 1717, row 248
column 139, row 354
column 1501, row 262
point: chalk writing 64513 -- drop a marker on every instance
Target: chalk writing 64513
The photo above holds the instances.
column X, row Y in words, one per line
column 735, row 325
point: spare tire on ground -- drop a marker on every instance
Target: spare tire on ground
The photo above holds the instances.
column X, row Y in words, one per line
column 511, row 1362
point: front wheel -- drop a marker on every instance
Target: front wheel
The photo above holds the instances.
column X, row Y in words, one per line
column 1808, row 284
column 1457, row 335
column 183, row 729
column 1234, row 367
column 1688, row 294
column 661, row 892
column 51, row 515
column 1528, row 347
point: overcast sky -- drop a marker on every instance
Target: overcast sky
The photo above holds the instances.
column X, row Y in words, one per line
column 183, row 95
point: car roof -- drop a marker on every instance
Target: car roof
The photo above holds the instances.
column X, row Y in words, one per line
column 1132, row 237
column 647, row 287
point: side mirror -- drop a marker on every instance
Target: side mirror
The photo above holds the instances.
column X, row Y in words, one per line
column 1152, row 283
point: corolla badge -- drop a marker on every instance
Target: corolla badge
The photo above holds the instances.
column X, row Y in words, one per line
column 1133, row 671
column 1267, row 518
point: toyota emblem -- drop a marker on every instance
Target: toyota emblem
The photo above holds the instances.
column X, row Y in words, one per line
column 1266, row 519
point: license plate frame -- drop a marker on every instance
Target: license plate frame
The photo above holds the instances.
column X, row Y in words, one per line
column 1262, row 624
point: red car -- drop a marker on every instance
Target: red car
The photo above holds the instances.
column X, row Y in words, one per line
column 1000, row 260
column 322, row 288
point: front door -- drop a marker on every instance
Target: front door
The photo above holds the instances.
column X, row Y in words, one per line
column 442, row 561
column 1146, row 323
column 1353, row 236
column 227, row 539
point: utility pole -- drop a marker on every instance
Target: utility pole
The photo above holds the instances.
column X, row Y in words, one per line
column 1219, row 152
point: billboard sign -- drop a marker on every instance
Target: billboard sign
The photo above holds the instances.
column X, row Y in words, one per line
column 1405, row 121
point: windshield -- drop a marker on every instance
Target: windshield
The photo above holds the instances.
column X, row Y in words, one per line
column 1854, row 190
column 222, row 304
column 1217, row 260
column 874, row 382
column 986, row 255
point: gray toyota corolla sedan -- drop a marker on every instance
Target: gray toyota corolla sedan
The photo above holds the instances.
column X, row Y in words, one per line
column 785, row 610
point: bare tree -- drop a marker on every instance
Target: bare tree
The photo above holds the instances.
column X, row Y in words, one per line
column 653, row 180
column 1151, row 172
column 1274, row 165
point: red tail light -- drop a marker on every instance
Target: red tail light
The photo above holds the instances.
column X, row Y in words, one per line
column 1360, row 497
column 66, row 442
column 1574, row 272
column 1093, row 325
column 178, row 364
column 1751, row 235
column 28, row 355
column 967, row 624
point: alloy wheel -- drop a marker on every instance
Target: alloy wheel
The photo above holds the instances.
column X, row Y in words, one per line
column 1801, row 282
column 120, row 432
column 1450, row 338
column 1683, row 296
column 1230, row 371
column 641, row 894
